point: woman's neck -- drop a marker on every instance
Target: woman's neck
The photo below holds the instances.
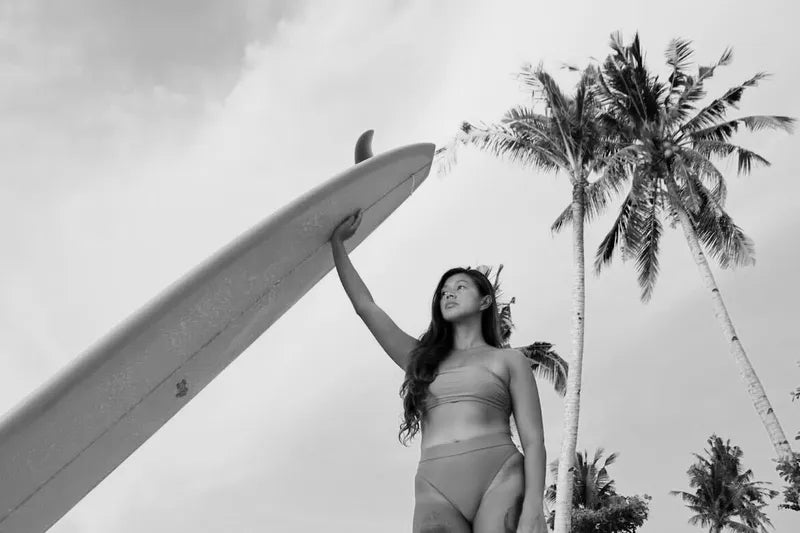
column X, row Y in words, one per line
column 464, row 340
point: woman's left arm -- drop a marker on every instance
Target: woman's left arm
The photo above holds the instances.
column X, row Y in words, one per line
column 528, row 416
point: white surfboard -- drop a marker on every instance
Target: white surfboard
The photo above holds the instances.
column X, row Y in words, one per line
column 66, row 437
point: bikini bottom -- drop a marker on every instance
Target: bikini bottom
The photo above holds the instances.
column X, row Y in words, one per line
column 462, row 471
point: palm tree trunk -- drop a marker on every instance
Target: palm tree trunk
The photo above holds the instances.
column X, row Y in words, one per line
column 572, row 399
column 746, row 371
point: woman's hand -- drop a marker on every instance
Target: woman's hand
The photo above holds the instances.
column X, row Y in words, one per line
column 532, row 524
column 347, row 227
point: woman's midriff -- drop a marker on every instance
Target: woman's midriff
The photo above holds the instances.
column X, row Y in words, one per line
column 457, row 421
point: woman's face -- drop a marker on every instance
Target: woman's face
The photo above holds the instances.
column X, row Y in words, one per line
column 459, row 297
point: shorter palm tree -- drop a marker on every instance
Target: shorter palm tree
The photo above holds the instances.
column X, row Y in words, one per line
column 596, row 506
column 789, row 470
column 724, row 496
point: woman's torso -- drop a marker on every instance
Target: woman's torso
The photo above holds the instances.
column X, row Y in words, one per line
column 483, row 374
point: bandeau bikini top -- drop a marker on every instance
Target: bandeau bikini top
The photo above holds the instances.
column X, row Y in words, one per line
column 472, row 383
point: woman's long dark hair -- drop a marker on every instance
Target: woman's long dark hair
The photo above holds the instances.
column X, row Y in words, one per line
column 434, row 346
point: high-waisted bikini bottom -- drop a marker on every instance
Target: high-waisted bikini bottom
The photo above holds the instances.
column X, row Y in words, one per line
column 462, row 471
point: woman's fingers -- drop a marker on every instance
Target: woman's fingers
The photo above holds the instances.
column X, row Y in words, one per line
column 348, row 226
column 356, row 218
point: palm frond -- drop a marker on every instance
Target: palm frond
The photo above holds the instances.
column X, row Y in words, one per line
column 444, row 158
column 557, row 103
column 723, row 131
column 687, row 186
column 506, row 323
column 599, row 193
column 525, row 116
column 693, row 89
column 677, row 54
column 715, row 111
column 545, row 89
column 649, row 230
column 547, row 364
column 537, row 130
column 597, row 196
column 744, row 160
column 562, row 220
column 513, row 146
column 724, row 241
column 616, row 236
column 707, row 172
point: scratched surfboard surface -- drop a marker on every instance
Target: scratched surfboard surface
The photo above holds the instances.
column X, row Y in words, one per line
column 68, row 435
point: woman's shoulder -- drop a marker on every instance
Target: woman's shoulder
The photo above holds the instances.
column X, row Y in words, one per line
column 503, row 361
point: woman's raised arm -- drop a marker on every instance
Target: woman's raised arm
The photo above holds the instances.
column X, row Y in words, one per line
column 394, row 341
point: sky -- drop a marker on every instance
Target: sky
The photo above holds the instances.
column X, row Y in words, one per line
column 137, row 138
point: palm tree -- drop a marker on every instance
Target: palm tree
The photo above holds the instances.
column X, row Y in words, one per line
column 563, row 138
column 596, row 506
column 789, row 470
column 669, row 146
column 723, row 493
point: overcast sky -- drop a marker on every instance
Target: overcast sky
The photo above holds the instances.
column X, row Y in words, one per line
column 137, row 138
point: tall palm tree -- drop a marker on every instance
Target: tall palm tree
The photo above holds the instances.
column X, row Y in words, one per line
column 558, row 133
column 724, row 493
column 596, row 506
column 670, row 146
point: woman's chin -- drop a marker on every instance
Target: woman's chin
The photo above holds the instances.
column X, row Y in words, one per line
column 452, row 315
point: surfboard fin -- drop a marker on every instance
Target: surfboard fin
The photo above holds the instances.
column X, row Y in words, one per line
column 364, row 146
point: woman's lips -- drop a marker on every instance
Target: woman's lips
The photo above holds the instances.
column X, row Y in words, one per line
column 450, row 304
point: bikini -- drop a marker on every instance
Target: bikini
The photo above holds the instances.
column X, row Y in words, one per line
column 462, row 471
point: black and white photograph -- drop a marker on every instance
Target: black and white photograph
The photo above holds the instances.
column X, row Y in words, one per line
column 397, row 266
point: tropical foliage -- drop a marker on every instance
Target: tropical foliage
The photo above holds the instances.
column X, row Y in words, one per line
column 789, row 470
column 725, row 497
column 670, row 143
column 596, row 507
column 625, row 130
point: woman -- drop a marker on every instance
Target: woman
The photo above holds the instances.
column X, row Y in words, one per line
column 459, row 391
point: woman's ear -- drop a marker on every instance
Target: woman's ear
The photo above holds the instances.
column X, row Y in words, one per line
column 486, row 302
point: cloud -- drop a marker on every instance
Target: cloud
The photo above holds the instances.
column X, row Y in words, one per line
column 88, row 83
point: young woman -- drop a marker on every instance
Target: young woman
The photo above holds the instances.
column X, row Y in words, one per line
column 459, row 391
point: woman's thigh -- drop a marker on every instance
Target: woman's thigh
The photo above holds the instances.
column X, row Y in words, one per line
column 502, row 503
column 433, row 513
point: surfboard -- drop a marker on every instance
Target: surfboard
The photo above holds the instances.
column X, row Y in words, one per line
column 66, row 437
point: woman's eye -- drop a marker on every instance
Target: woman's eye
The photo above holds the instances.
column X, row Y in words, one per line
column 459, row 287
